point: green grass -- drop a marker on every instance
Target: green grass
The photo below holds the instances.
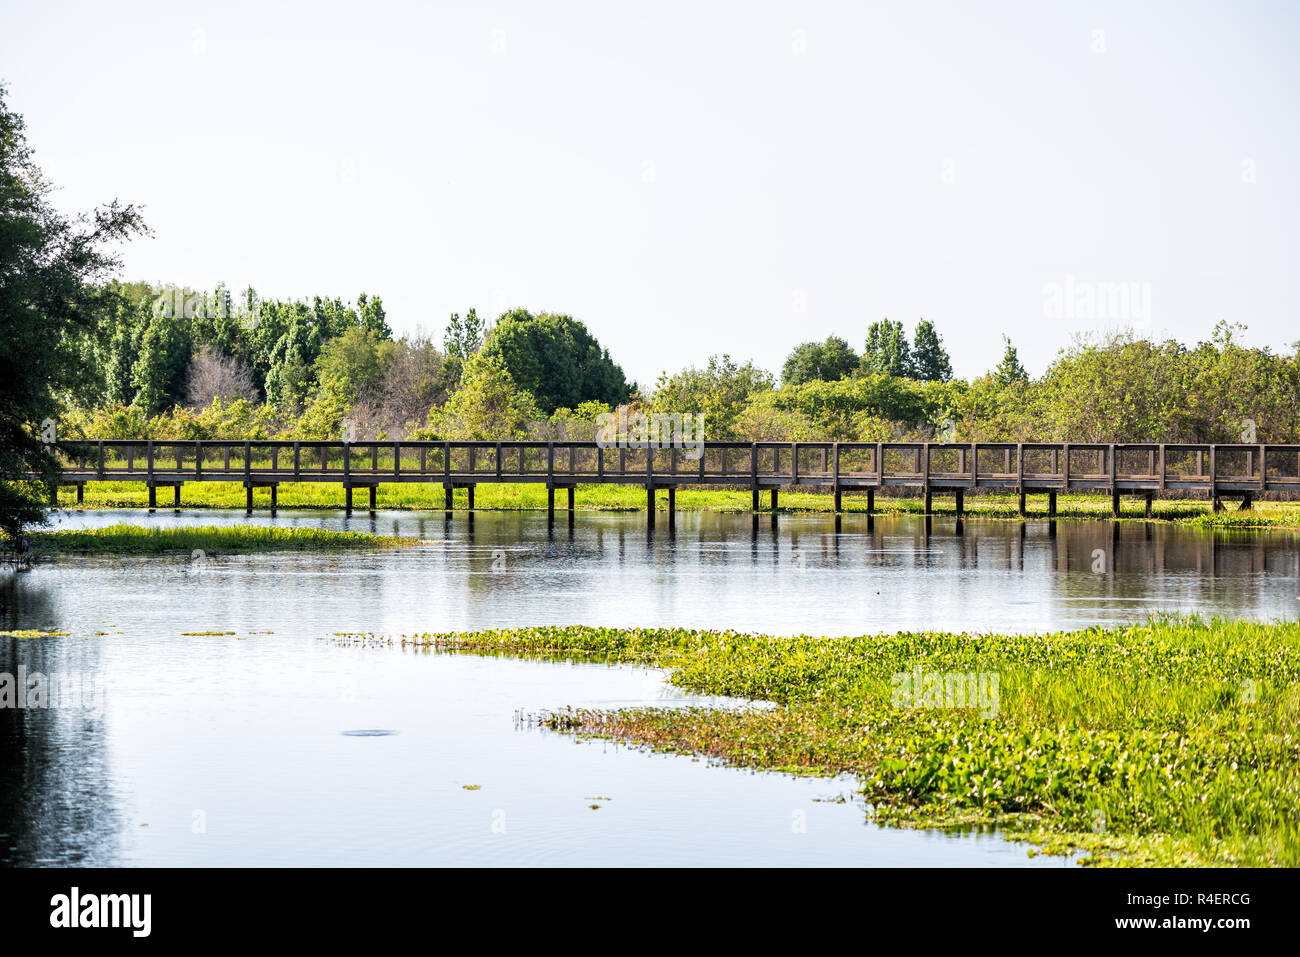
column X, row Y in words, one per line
column 211, row 539
column 512, row 496
column 1169, row 743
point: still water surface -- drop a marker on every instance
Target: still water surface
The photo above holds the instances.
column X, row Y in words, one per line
column 242, row 749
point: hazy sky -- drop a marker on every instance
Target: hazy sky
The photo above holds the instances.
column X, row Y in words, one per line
column 695, row 178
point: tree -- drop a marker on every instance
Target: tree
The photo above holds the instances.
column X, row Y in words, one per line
column 51, row 272
column 1009, row 370
column 929, row 358
column 214, row 375
column 463, row 338
column 557, row 359
column 826, row 361
column 719, row 392
column 886, row 351
column 488, row 405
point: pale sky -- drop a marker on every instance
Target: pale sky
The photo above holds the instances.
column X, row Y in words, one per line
column 694, row 178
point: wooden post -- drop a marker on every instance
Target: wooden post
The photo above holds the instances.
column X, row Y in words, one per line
column 248, row 498
column 1148, row 504
column 774, row 499
column 150, row 448
column 469, row 496
column 1215, row 504
column 650, row 505
column 297, row 460
column 1114, row 489
column 153, row 496
column 753, row 470
column 1020, row 475
column 571, row 490
column 672, row 504
column 347, row 499
column 448, row 497
column 176, row 495
column 275, row 486
column 550, row 503
column 794, row 463
column 81, row 487
column 754, row 506
column 836, row 476
column 871, row 500
column 1051, row 504
column 960, row 502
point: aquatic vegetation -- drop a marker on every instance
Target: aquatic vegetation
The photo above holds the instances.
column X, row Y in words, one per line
column 1174, row 742
column 204, row 634
column 471, row 787
column 30, row 633
column 205, row 541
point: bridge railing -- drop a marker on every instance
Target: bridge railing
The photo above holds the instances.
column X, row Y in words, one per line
column 953, row 464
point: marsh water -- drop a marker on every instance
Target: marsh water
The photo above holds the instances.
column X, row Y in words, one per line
column 283, row 744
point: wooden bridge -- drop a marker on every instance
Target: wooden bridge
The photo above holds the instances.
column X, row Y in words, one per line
column 926, row 468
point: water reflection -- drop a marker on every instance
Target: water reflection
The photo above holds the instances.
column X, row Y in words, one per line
column 256, row 734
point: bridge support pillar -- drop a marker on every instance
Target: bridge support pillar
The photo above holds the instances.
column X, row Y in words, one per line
column 755, row 505
column 774, row 499
column 81, row 488
column 374, row 489
column 248, row 498
column 650, row 505
column 550, row 503
column 1147, row 504
column 871, row 500
column 347, row 500
column 275, row 495
column 572, row 489
column 672, row 505
column 469, row 495
column 837, row 501
column 448, row 494
column 1216, row 504
column 961, row 502
column 153, row 496
column 176, row 494
column 1020, row 505
column 1246, row 502
column 929, row 501
column 1051, row 505
column 1114, row 503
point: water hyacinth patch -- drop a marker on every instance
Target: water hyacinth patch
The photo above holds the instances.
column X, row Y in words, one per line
column 1173, row 742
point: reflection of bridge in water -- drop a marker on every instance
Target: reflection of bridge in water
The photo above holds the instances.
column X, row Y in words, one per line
column 1148, row 470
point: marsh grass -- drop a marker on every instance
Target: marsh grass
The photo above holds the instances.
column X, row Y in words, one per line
column 1172, row 742
column 210, row 539
column 631, row 498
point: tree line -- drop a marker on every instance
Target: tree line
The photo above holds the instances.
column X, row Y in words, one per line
column 85, row 355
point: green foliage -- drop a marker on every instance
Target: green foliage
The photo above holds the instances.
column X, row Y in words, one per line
column 886, row 351
column 211, row 539
column 1181, row 732
column 719, row 391
column 556, row 359
column 52, row 267
column 1009, row 370
column 487, row 406
column 929, row 358
column 819, row 361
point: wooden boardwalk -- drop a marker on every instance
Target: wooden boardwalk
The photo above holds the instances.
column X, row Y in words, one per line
column 926, row 468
